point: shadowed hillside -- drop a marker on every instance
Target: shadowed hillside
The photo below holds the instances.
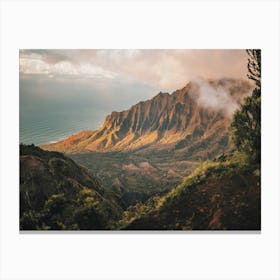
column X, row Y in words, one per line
column 219, row 195
column 56, row 193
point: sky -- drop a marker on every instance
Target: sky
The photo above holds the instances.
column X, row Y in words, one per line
column 65, row 91
column 165, row 70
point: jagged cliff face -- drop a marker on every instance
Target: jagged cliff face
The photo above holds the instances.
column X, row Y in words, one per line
column 162, row 122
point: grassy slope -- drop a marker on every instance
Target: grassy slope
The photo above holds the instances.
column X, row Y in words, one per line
column 222, row 194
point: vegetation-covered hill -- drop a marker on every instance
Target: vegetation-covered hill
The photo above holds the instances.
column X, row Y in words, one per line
column 56, row 193
column 220, row 195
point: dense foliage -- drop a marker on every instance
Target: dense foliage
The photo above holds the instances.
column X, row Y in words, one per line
column 246, row 124
column 221, row 195
column 58, row 194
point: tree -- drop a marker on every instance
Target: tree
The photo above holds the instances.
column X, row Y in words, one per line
column 254, row 66
column 246, row 124
column 29, row 220
column 53, row 212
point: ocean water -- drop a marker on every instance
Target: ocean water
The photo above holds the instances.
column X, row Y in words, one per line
column 47, row 123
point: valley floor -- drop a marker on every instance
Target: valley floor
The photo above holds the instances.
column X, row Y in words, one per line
column 137, row 176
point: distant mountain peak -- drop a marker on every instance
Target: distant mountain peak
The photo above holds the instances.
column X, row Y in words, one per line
column 161, row 94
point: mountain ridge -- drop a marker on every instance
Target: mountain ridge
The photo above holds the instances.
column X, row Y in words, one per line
column 161, row 122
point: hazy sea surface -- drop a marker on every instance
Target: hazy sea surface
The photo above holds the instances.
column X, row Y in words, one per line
column 51, row 110
column 47, row 124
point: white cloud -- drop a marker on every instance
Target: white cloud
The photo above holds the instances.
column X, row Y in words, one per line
column 164, row 69
column 225, row 97
column 31, row 65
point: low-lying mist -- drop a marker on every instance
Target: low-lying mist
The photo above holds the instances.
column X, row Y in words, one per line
column 224, row 95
